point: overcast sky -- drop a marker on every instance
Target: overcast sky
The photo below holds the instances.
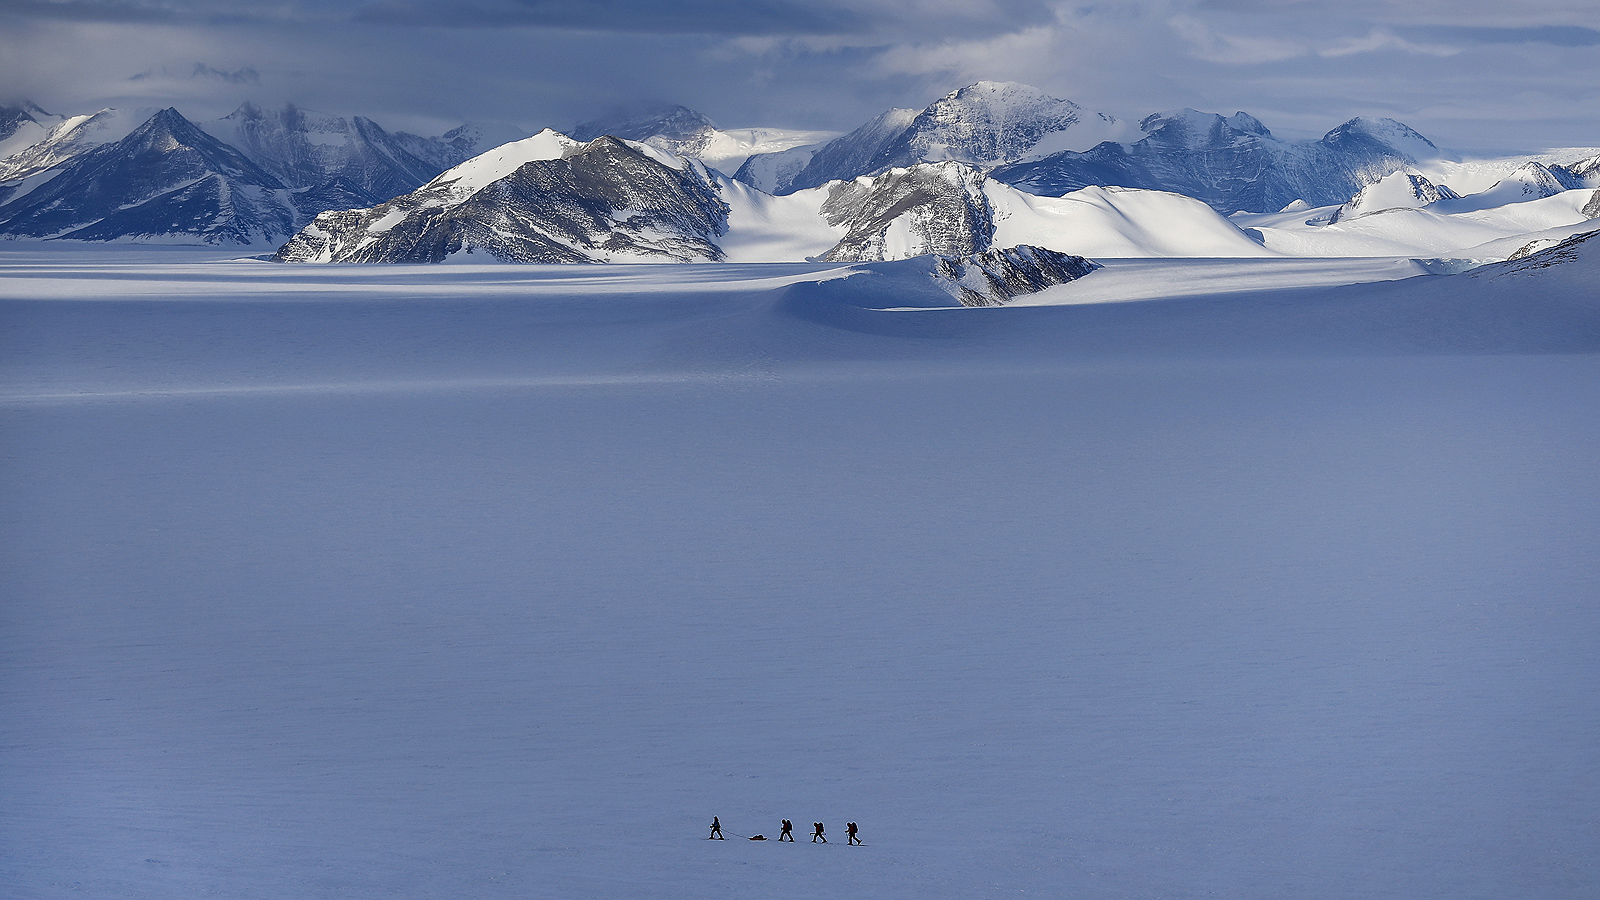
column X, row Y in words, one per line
column 1515, row 74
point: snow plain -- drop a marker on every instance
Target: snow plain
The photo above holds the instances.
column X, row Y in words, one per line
column 493, row 581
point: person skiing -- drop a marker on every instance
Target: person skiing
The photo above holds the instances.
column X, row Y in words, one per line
column 850, row 829
column 716, row 830
column 787, row 834
column 817, row 834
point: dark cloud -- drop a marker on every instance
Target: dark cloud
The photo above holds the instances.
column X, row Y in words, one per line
column 427, row 65
column 242, row 76
column 91, row 11
column 682, row 16
column 1554, row 35
column 710, row 17
column 717, row 17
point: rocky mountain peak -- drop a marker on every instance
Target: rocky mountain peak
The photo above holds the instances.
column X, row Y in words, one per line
column 983, row 124
column 1379, row 135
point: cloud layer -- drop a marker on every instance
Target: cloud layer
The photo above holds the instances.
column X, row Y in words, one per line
column 1469, row 73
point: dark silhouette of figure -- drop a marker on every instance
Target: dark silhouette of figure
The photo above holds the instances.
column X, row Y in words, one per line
column 817, row 834
column 850, row 829
column 788, row 832
column 716, row 830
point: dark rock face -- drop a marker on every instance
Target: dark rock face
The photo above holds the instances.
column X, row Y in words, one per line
column 995, row 277
column 602, row 201
column 930, row 208
column 1592, row 208
column 1231, row 163
column 167, row 177
column 843, row 157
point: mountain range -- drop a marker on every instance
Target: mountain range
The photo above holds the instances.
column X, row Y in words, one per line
column 981, row 166
column 253, row 176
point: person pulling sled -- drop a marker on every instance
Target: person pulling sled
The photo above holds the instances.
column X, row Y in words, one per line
column 716, row 830
column 787, row 834
column 816, row 835
column 850, row 829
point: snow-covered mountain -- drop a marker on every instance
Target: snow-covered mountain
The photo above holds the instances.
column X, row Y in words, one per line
column 1401, row 190
column 1233, row 163
column 983, row 125
column 165, row 178
column 64, row 140
column 324, row 162
column 305, row 149
column 24, row 125
column 547, row 199
column 551, row 198
column 686, row 133
column 1582, row 173
column 935, row 208
column 1407, row 214
column 1531, row 181
column 812, row 166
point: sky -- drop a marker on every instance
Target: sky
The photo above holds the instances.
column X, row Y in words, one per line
column 1483, row 74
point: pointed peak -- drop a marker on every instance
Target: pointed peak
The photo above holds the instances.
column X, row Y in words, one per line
column 1387, row 133
column 1243, row 121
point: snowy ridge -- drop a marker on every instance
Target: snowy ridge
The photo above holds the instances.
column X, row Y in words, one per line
column 24, row 125
column 1110, row 222
column 683, row 132
column 167, row 177
column 25, row 170
column 307, row 149
column 1396, row 217
column 1395, row 191
column 981, row 125
column 946, row 208
column 1233, row 163
column 547, row 199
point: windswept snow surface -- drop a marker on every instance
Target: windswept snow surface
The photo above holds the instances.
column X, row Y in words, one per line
column 1442, row 228
column 1116, row 222
column 500, row 582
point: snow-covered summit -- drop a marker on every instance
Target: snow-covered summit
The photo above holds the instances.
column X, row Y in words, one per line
column 1400, row 190
column 1386, row 136
column 471, row 176
column 985, row 124
column 1531, row 181
column 304, row 148
column 166, row 178
column 69, row 137
column 684, row 132
column 23, row 125
column 1234, row 163
column 1190, row 129
column 982, row 125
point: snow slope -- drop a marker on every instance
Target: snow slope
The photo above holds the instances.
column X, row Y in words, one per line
column 489, row 581
column 1468, row 227
column 1117, row 222
column 684, row 132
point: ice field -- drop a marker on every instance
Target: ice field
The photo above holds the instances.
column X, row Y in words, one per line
column 499, row 582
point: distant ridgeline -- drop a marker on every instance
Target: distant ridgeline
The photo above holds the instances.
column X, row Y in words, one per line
column 991, row 165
